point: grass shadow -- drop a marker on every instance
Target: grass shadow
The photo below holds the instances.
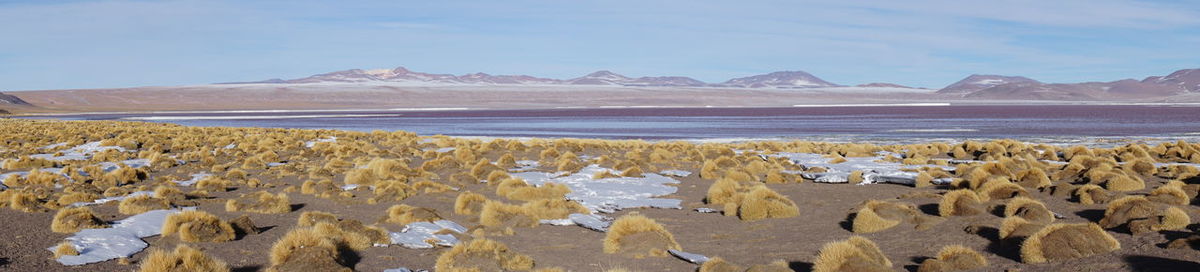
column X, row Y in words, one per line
column 800, row 266
column 1150, row 263
column 930, row 209
column 1091, row 215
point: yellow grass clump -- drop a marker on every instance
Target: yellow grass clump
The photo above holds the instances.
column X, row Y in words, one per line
column 65, row 249
column 483, row 255
column 468, row 203
column 1029, row 209
column 723, row 191
column 198, row 226
column 1126, row 209
column 1060, row 242
column 547, row 209
column 307, row 249
column 504, row 216
column 875, row 215
column 142, row 203
column 404, row 214
column 69, row 220
column 954, row 258
column 548, row 190
column 1089, row 194
column 1017, row 227
column 762, row 203
column 639, row 236
column 260, row 202
column 854, row 254
column 960, row 202
column 1172, row 194
column 183, row 258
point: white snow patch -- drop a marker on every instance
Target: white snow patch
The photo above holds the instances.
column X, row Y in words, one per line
column 312, row 143
column 874, row 170
column 195, row 178
column 675, row 173
column 122, row 239
column 610, row 194
column 112, row 198
column 418, row 235
column 689, row 257
column 591, row 221
column 81, row 152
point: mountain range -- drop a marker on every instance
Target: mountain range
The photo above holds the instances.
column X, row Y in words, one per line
column 973, row 87
column 782, row 79
column 403, row 88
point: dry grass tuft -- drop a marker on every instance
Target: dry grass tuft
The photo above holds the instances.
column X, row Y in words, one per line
column 854, row 254
column 482, row 255
column 954, row 258
column 306, row 249
column 404, row 214
column 142, row 203
column 184, row 258
column 260, row 202
column 639, row 236
column 198, row 226
column 65, row 249
column 1029, row 209
column 961, row 202
column 468, row 203
column 70, row 220
column 1060, row 242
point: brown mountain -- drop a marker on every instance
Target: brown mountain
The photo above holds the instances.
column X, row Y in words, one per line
column 1004, row 87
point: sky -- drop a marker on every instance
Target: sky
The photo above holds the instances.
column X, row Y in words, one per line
column 58, row 44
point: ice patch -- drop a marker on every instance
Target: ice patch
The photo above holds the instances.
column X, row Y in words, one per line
column 195, row 178
column 689, row 257
column 706, row 210
column 440, row 150
column 122, row 239
column 874, row 170
column 525, row 165
column 418, row 235
column 81, row 152
column 675, row 173
column 310, row 144
column 591, row 221
column 134, row 163
column 610, row 194
column 111, row 199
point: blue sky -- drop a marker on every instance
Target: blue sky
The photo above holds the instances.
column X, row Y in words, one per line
column 102, row 44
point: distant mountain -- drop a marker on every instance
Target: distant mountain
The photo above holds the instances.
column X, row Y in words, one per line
column 787, row 79
column 784, row 79
column 1003, row 87
column 882, row 85
column 979, row 82
column 12, row 100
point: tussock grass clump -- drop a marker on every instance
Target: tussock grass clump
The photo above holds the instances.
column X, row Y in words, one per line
column 1089, row 194
column 430, row 187
column 392, row 190
column 960, row 202
column 1029, row 209
column 504, row 216
column 25, row 202
column 142, row 203
column 260, row 202
column 762, row 203
column 954, row 258
column 468, row 203
column 1001, row 189
column 404, row 214
column 854, row 254
column 1035, row 178
column 353, row 233
column 183, row 258
column 1124, row 183
column 640, row 236
column 483, row 255
column 311, row 218
column 306, row 249
column 1060, row 242
column 723, row 191
column 875, row 215
column 198, row 226
column 1171, row 193
column 518, row 189
column 1017, row 227
column 65, row 249
column 717, row 264
column 213, row 184
column 1126, row 209
column 546, row 209
column 70, row 220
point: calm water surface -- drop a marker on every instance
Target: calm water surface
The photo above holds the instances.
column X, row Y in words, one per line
column 1062, row 122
